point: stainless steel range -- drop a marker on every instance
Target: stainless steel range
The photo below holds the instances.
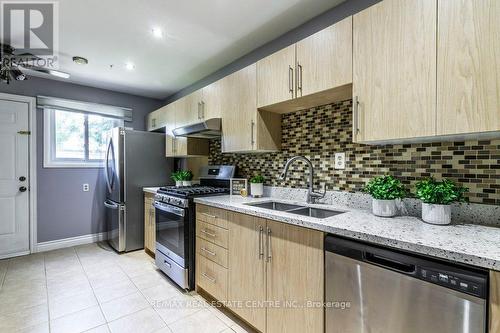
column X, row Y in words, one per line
column 175, row 222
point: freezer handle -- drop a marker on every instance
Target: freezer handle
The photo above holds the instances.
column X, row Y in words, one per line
column 111, row 205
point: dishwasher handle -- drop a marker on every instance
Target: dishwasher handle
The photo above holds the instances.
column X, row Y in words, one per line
column 389, row 263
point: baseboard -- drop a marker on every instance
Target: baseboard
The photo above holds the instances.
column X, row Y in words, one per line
column 12, row 255
column 72, row 241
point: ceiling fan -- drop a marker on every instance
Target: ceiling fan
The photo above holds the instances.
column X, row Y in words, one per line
column 13, row 63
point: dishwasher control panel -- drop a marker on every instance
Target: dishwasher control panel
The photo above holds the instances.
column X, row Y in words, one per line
column 453, row 281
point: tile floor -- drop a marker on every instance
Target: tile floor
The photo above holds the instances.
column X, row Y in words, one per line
column 92, row 289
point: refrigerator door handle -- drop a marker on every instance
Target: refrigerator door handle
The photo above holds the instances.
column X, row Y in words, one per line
column 106, row 169
column 111, row 205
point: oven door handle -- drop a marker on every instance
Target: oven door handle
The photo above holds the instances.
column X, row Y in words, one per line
column 169, row 209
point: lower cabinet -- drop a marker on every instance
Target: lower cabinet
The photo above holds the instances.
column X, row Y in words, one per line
column 149, row 224
column 274, row 276
column 494, row 301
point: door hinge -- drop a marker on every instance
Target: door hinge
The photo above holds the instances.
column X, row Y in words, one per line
column 24, row 132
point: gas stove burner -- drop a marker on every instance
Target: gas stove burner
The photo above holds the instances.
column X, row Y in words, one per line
column 192, row 190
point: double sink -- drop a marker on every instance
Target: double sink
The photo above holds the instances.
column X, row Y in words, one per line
column 296, row 209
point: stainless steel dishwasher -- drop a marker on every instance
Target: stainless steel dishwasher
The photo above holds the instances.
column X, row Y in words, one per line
column 371, row 289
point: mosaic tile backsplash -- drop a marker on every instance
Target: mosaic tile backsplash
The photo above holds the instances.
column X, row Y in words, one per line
column 318, row 133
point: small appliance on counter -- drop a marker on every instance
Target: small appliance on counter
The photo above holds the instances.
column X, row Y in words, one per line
column 176, row 221
column 134, row 160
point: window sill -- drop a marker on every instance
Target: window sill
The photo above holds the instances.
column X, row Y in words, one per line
column 72, row 166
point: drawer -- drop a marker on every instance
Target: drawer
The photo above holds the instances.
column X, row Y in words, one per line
column 211, row 251
column 212, row 233
column 212, row 215
column 211, row 277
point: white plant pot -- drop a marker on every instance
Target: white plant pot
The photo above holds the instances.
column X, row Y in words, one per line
column 256, row 190
column 178, row 183
column 384, row 208
column 187, row 183
column 436, row 214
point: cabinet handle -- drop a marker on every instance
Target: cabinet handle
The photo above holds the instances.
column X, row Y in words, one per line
column 199, row 110
column 211, row 216
column 208, row 277
column 355, row 116
column 208, row 233
column 209, row 252
column 153, row 122
column 252, row 128
column 299, row 79
column 290, row 80
column 167, row 263
column 202, row 110
column 268, row 245
column 261, row 242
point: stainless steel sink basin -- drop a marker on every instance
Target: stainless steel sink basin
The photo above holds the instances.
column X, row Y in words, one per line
column 280, row 206
column 296, row 209
column 316, row 212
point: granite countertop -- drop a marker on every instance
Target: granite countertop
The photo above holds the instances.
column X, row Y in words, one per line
column 150, row 189
column 464, row 243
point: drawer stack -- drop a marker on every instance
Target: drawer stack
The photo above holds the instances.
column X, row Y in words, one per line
column 212, row 237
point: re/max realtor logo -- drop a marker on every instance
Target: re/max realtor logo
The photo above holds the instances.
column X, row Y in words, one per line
column 31, row 29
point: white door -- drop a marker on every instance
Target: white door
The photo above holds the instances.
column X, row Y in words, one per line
column 14, row 181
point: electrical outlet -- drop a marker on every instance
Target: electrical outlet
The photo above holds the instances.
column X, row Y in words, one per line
column 339, row 161
column 86, row 187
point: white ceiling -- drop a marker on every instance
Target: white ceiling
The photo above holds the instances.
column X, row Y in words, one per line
column 200, row 37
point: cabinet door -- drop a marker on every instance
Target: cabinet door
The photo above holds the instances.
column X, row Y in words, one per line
column 324, row 60
column 247, row 279
column 394, row 70
column 468, row 81
column 295, row 273
column 193, row 107
column 169, row 137
column 212, row 100
column 240, row 110
column 494, row 324
column 183, row 113
column 147, row 218
column 152, row 228
column 275, row 77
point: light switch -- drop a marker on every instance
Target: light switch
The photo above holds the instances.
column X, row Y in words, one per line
column 86, row 187
column 339, row 161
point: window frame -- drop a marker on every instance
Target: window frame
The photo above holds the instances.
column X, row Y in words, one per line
column 49, row 146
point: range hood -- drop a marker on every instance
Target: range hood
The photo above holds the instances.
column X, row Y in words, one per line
column 208, row 129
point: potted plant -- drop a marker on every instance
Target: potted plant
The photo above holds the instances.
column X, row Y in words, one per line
column 177, row 178
column 385, row 190
column 187, row 177
column 257, row 186
column 437, row 197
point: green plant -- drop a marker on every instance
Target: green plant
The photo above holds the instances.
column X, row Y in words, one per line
column 257, row 179
column 186, row 175
column 385, row 188
column 444, row 192
column 176, row 176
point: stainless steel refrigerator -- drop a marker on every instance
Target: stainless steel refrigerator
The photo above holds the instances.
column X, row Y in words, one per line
column 134, row 160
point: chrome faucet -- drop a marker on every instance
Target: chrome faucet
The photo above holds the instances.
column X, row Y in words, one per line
column 311, row 195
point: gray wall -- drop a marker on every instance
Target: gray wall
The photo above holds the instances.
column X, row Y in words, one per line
column 64, row 210
column 320, row 22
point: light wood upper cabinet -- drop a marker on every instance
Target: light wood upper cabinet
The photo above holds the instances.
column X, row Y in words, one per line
column 156, row 119
column 212, row 100
column 295, row 273
column 276, row 77
column 324, row 60
column 188, row 109
column 468, row 62
column 394, row 70
column 247, row 276
column 244, row 128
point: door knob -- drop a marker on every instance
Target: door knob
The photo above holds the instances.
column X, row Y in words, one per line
column 22, row 179
column 22, row 189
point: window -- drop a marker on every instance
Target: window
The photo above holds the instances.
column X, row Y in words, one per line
column 76, row 139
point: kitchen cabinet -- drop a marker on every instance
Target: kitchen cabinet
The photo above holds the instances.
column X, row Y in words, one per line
column 212, row 100
column 187, row 109
column 315, row 71
column 268, row 263
column 247, row 274
column 156, row 119
column 468, row 76
column 394, row 70
column 149, row 224
column 295, row 273
column 494, row 316
column 244, row 127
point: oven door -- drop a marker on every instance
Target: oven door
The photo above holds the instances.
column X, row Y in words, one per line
column 171, row 223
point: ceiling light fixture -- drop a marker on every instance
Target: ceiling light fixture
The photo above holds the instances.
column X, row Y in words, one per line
column 130, row 66
column 157, row 32
column 80, row 60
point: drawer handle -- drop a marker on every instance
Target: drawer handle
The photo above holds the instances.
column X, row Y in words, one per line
column 209, row 252
column 211, row 216
column 208, row 233
column 208, row 277
column 167, row 263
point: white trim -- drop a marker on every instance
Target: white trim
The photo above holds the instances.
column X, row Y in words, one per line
column 72, row 241
column 32, row 166
column 12, row 255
